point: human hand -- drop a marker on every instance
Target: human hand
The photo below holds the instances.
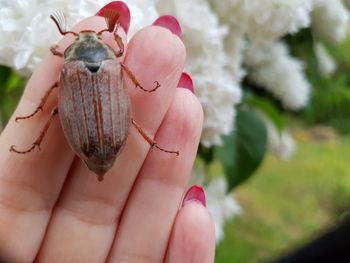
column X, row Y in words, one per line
column 53, row 209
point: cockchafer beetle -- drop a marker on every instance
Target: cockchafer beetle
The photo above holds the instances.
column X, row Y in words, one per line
column 93, row 102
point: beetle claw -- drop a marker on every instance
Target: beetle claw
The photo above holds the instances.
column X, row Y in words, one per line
column 13, row 149
column 40, row 108
column 157, row 84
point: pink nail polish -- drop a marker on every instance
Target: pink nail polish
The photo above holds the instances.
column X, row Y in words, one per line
column 196, row 194
column 124, row 11
column 170, row 22
column 186, row 82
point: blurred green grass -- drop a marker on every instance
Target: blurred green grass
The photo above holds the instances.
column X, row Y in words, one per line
column 286, row 204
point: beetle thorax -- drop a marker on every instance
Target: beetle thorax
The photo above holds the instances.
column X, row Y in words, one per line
column 90, row 49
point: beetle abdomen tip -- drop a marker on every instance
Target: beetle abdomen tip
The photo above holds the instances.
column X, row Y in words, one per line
column 99, row 169
column 100, row 177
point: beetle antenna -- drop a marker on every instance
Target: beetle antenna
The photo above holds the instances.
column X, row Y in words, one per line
column 111, row 16
column 60, row 20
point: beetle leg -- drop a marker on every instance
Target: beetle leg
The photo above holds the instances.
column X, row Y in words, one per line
column 134, row 80
column 41, row 136
column 55, row 52
column 41, row 105
column 151, row 142
column 120, row 44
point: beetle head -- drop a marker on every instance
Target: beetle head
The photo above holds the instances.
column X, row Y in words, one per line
column 88, row 46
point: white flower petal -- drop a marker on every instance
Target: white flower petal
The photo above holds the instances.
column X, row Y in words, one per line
column 280, row 144
column 326, row 64
column 271, row 67
column 330, row 19
column 265, row 20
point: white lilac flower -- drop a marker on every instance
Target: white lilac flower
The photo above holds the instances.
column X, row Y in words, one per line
column 234, row 41
column 234, row 44
column 27, row 32
column 207, row 63
column 218, row 105
column 271, row 67
column 330, row 19
column 263, row 20
column 222, row 206
column 326, row 64
column 280, row 143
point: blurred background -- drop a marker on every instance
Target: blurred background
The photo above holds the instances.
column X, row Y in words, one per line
column 273, row 79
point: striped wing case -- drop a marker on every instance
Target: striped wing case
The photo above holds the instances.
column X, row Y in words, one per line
column 95, row 112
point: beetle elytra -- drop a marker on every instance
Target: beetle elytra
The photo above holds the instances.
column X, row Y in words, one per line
column 93, row 102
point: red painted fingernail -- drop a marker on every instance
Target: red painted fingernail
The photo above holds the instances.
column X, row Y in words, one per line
column 195, row 193
column 186, row 82
column 170, row 22
column 124, row 11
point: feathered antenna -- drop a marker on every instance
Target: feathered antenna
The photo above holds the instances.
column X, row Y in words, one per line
column 60, row 20
column 111, row 16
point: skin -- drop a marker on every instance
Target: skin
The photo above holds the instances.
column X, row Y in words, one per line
column 52, row 209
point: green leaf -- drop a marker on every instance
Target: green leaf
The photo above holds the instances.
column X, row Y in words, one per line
column 11, row 87
column 15, row 82
column 206, row 154
column 4, row 74
column 270, row 110
column 243, row 150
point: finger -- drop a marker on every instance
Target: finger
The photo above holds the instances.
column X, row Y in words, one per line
column 152, row 206
column 193, row 234
column 31, row 183
column 88, row 208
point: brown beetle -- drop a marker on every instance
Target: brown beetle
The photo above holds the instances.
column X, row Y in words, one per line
column 93, row 103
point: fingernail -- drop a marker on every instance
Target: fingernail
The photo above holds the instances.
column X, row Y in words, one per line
column 170, row 22
column 186, row 82
column 194, row 194
column 124, row 11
